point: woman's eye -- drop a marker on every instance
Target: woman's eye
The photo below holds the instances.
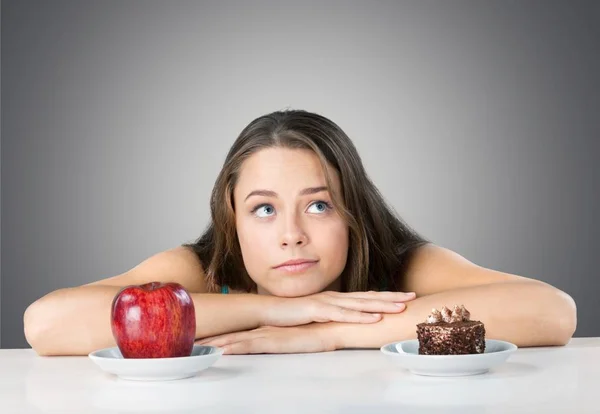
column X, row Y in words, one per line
column 319, row 207
column 265, row 210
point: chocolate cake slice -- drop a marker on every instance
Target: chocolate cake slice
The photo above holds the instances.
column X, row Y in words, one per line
column 451, row 333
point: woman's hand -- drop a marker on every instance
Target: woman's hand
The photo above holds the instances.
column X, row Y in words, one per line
column 275, row 340
column 353, row 307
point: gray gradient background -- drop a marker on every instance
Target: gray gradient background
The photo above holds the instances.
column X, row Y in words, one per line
column 479, row 122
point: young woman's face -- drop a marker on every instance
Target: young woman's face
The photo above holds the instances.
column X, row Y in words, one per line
column 284, row 212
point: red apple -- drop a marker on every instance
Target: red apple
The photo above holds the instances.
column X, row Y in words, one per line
column 154, row 320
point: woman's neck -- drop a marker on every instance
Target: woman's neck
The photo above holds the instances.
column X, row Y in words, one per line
column 336, row 286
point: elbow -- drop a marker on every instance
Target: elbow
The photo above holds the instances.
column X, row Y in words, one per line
column 552, row 316
column 37, row 326
column 557, row 317
column 32, row 325
column 566, row 318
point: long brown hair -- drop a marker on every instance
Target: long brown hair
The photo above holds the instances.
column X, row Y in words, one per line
column 379, row 241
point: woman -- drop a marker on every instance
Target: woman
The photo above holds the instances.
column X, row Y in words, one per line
column 312, row 258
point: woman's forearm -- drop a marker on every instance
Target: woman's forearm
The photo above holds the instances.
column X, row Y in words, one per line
column 524, row 313
column 76, row 321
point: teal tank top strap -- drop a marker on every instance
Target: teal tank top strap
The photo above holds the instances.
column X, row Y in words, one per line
column 224, row 289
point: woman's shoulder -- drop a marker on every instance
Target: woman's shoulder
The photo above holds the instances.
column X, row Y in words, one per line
column 186, row 267
column 433, row 268
column 179, row 264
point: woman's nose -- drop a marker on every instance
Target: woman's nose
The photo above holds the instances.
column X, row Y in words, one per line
column 293, row 234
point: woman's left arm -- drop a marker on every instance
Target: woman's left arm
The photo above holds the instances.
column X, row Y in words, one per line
column 524, row 311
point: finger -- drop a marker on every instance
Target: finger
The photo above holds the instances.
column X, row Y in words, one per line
column 339, row 314
column 209, row 339
column 369, row 305
column 216, row 342
column 221, row 340
column 386, row 296
column 252, row 346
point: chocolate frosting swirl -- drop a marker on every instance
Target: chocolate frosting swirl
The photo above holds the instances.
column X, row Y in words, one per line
column 458, row 314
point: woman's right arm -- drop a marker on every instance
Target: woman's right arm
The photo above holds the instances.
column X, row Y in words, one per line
column 76, row 321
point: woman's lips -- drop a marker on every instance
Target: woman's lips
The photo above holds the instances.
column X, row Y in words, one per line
column 297, row 267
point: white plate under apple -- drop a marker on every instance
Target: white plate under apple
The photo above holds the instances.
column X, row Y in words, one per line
column 156, row 369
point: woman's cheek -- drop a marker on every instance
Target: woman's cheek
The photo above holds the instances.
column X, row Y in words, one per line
column 254, row 243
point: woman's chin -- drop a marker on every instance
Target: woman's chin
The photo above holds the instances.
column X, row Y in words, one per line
column 295, row 291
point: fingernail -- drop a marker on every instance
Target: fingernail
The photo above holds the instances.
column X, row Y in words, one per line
column 410, row 293
column 399, row 304
column 376, row 315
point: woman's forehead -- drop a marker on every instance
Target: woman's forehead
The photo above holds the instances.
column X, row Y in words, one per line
column 282, row 170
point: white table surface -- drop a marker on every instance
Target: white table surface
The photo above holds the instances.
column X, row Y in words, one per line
column 537, row 380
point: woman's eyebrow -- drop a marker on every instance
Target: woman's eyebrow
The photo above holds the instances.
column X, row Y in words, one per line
column 269, row 193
